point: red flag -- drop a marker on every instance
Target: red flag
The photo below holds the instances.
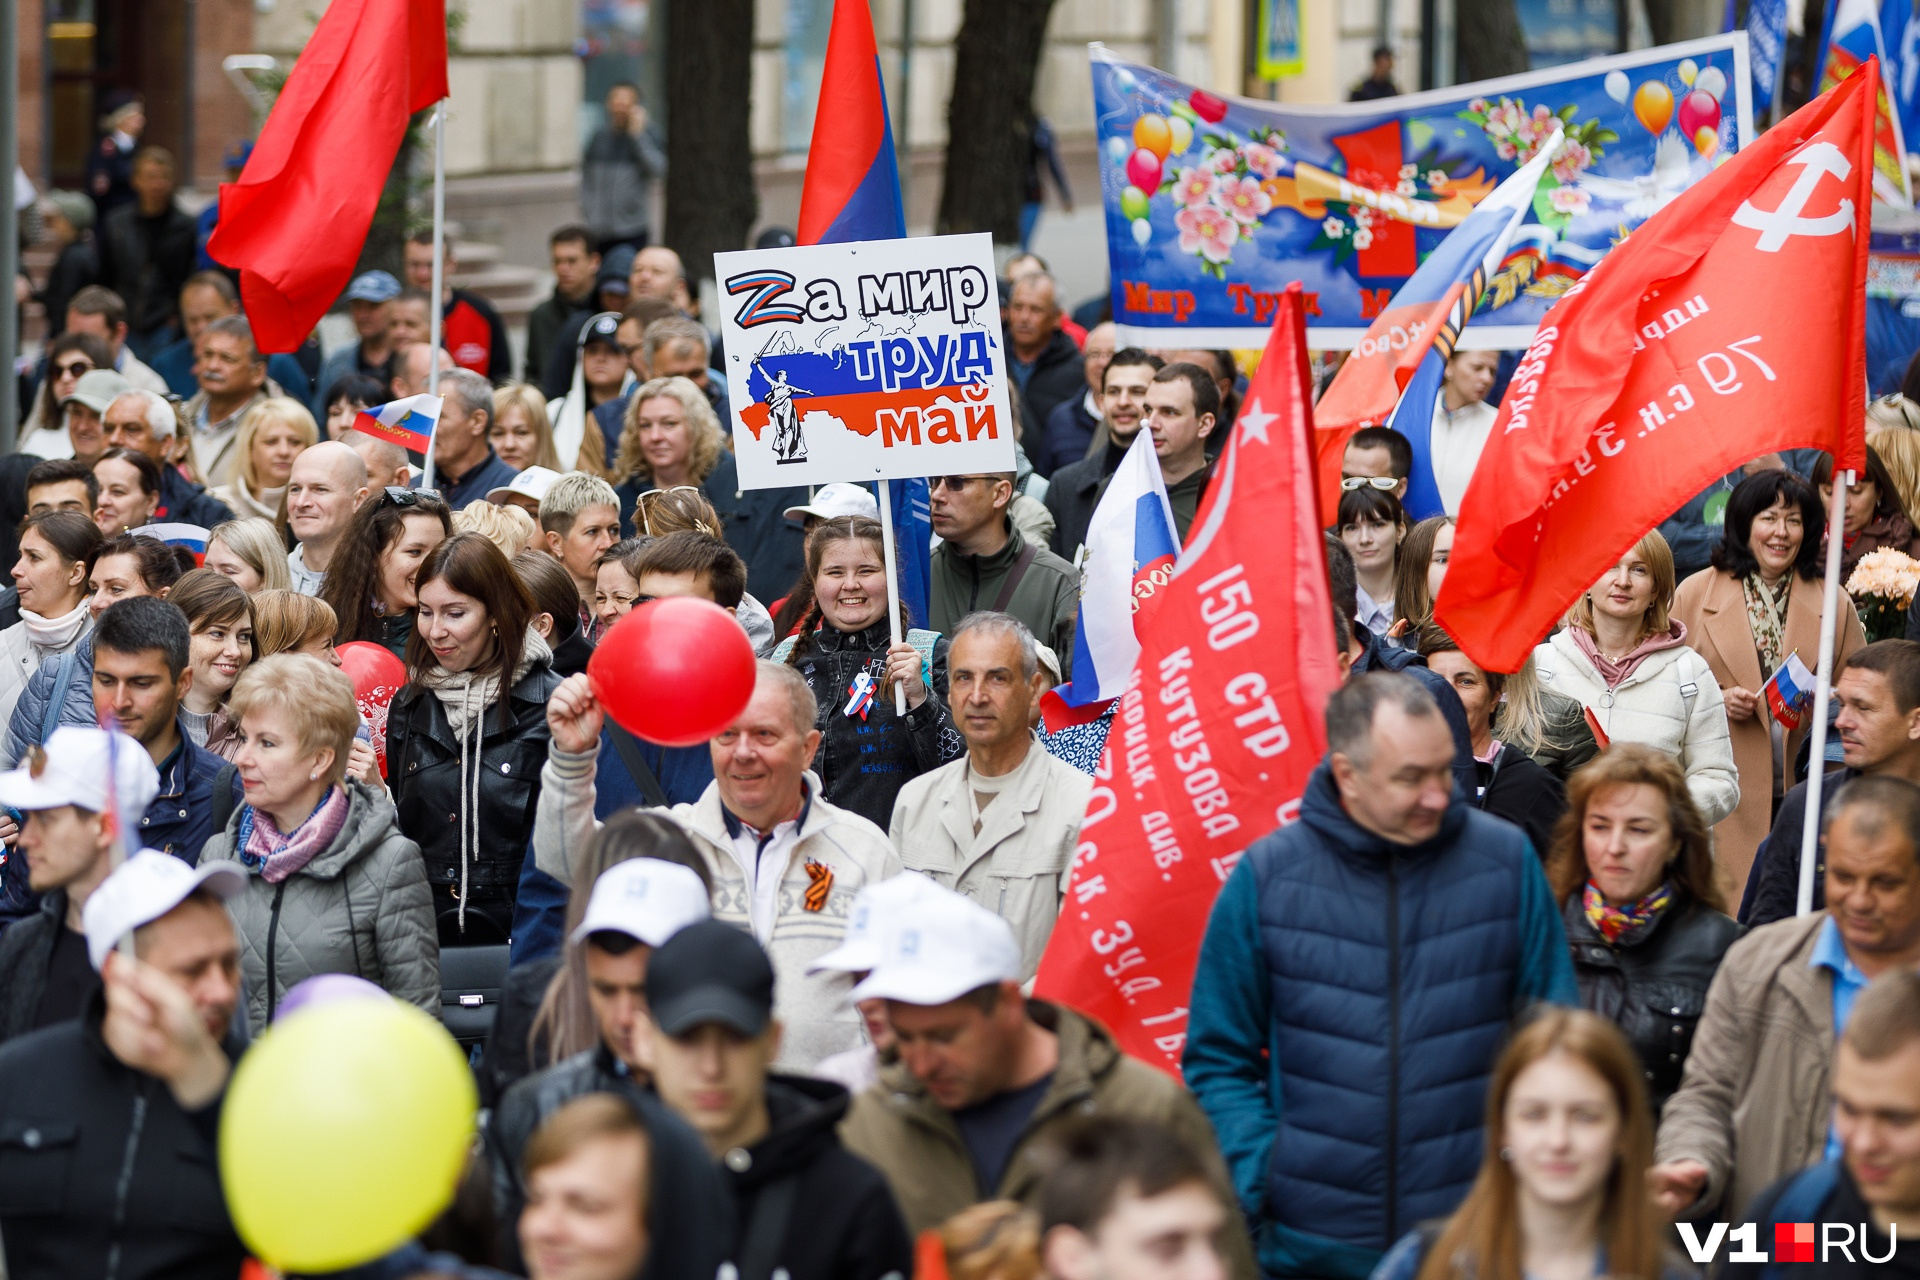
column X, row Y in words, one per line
column 1731, row 324
column 294, row 224
column 1219, row 727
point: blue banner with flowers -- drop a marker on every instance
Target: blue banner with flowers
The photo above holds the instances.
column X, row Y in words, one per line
column 1214, row 205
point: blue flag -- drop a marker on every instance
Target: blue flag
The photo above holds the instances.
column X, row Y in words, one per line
column 913, row 534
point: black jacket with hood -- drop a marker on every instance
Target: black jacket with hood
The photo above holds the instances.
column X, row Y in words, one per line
column 690, row 1215
column 840, row 1219
column 97, row 1162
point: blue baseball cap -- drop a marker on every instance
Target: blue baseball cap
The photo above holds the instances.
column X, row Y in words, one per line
column 373, row 286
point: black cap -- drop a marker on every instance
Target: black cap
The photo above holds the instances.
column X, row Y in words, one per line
column 775, row 238
column 604, row 327
column 710, row 972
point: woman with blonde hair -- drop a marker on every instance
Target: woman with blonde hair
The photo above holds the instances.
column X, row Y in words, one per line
column 332, row 884
column 1562, row 1189
column 288, row 622
column 270, row 438
column 1899, row 448
column 672, row 440
column 1625, row 658
column 1632, row 867
column 506, row 527
column 521, row 433
column 252, row 553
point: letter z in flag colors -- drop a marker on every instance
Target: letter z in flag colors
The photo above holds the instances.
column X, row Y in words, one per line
column 408, row 423
column 1131, row 548
column 1418, row 328
column 1731, row 324
column 1220, row 725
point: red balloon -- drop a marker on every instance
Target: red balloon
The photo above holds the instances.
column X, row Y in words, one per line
column 675, row 671
column 1208, row 107
column 1143, row 170
column 377, row 675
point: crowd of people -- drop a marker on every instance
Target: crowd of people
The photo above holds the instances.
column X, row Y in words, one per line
column 1522, row 986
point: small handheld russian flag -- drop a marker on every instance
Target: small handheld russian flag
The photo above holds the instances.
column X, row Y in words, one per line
column 408, row 423
column 1788, row 693
column 191, row 536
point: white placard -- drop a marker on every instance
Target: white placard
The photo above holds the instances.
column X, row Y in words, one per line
column 875, row 360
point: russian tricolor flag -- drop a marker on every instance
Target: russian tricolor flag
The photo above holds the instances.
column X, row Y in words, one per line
column 852, row 189
column 1789, row 693
column 1131, row 549
column 190, row 536
column 408, row 423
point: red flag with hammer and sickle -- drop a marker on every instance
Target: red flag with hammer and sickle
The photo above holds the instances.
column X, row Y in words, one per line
column 1731, row 324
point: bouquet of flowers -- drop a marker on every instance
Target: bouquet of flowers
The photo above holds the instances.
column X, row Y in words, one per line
column 1882, row 587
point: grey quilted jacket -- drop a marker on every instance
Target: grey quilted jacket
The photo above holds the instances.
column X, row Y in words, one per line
column 361, row 907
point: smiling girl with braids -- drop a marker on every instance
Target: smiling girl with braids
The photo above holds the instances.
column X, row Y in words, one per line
column 843, row 649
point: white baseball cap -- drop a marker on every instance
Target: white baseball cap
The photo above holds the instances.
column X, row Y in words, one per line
column 838, row 499
column 531, row 483
column 647, row 899
column 73, row 768
column 941, row 947
column 146, row 887
column 874, row 911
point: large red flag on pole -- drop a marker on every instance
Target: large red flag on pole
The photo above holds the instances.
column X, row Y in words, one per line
column 1731, row 324
column 294, row 224
column 1219, row 727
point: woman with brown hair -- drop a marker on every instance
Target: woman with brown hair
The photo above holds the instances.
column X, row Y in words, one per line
column 70, row 357
column 844, row 635
column 220, row 618
column 1417, row 575
column 467, row 737
column 370, row 580
column 1562, row 1190
column 1876, row 515
column 1632, row 866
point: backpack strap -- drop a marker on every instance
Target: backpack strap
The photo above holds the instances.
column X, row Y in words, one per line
column 766, row 1228
column 221, row 809
column 1800, row 1201
column 58, row 702
column 629, row 749
column 1022, row 563
column 1689, row 678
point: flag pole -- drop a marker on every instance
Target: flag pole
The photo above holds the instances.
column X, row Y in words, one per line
column 1817, row 749
column 893, row 585
column 439, row 268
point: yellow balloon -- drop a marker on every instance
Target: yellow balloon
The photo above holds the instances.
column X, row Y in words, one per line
column 345, row 1129
column 1705, row 140
column 1688, row 69
column 1152, row 133
column 1653, row 106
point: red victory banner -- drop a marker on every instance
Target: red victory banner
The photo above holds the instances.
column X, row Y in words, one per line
column 1731, row 324
column 1219, row 727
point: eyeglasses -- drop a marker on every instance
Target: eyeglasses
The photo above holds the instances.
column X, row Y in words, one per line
column 74, row 370
column 1385, row 484
column 395, row 496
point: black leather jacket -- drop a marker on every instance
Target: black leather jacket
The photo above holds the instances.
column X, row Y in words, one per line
column 423, row 771
column 863, row 763
column 1652, row 982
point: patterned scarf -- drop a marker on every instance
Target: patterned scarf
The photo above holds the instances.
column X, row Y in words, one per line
column 1767, row 617
column 276, row 856
column 1611, row 921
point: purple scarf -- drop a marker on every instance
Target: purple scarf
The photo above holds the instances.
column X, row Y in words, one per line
column 278, row 856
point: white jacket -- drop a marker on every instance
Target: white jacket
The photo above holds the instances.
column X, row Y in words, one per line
column 1671, row 702
column 1017, row 865
column 819, row 1018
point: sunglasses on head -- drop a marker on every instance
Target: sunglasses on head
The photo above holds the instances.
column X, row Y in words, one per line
column 1384, row 484
column 395, row 496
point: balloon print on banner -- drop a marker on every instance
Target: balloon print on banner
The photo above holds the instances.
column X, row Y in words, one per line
column 1214, row 205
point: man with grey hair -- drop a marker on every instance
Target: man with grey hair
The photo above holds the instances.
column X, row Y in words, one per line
column 327, row 485
column 680, row 347
column 386, row 461
column 1000, row 824
column 464, row 463
column 785, row 862
column 1045, row 364
column 233, row 379
column 1359, row 972
column 145, row 423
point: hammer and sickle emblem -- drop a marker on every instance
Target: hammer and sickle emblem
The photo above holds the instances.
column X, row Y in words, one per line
column 1815, row 160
